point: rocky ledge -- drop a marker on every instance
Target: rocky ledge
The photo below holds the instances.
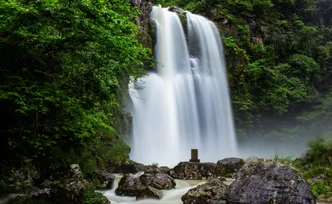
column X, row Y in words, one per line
column 198, row 171
column 194, row 170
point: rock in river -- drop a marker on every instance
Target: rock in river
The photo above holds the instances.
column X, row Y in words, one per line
column 269, row 182
column 212, row 192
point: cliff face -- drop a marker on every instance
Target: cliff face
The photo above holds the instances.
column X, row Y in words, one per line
column 144, row 23
column 145, row 37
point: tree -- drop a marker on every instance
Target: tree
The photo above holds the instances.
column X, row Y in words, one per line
column 63, row 63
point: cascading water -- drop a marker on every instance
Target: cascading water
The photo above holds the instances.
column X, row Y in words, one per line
column 186, row 103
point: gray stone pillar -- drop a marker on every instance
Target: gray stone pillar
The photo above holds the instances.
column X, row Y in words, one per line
column 194, row 155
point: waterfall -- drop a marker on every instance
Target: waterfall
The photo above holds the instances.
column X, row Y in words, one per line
column 185, row 104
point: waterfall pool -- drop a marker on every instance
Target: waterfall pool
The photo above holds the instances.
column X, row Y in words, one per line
column 172, row 196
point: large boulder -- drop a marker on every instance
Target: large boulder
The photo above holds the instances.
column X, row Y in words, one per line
column 194, row 170
column 58, row 191
column 155, row 169
column 231, row 165
column 269, row 182
column 212, row 192
column 149, row 192
column 130, row 185
column 159, row 180
column 128, row 167
column 102, row 179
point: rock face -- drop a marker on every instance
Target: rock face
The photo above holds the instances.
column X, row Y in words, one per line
column 103, row 179
column 212, row 192
column 269, row 182
column 158, row 181
column 194, row 171
column 229, row 166
column 143, row 21
column 131, row 185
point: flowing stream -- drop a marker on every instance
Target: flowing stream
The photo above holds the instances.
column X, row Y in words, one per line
column 169, row 196
column 185, row 103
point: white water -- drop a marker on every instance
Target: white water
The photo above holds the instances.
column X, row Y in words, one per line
column 186, row 103
column 172, row 196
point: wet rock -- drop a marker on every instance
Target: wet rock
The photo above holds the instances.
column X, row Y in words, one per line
column 150, row 192
column 269, row 182
column 212, row 192
column 182, row 14
column 177, row 10
column 158, row 180
column 229, row 166
column 155, row 169
column 102, row 179
column 106, row 200
column 128, row 167
column 194, row 170
column 130, row 185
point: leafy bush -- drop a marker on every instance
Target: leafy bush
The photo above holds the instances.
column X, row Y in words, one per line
column 316, row 165
column 90, row 196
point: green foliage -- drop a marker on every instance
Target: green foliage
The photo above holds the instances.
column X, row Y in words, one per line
column 282, row 159
column 316, row 165
column 319, row 188
column 318, row 117
column 63, row 66
column 90, row 196
column 319, row 151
